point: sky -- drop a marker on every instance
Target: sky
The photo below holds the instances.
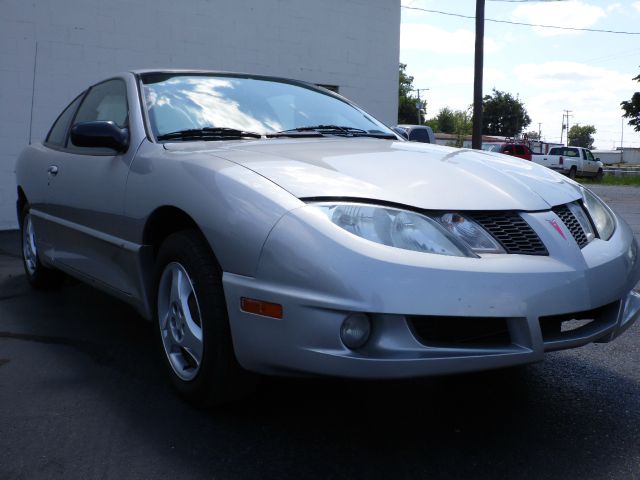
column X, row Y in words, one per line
column 550, row 70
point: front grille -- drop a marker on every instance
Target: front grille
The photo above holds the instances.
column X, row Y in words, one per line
column 439, row 331
column 570, row 220
column 513, row 233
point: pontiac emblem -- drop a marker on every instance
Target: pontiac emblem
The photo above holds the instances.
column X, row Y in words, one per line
column 557, row 227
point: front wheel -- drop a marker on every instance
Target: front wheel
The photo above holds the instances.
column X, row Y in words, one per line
column 39, row 276
column 192, row 322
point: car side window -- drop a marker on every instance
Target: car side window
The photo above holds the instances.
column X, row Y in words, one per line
column 519, row 150
column 58, row 134
column 590, row 156
column 419, row 135
column 572, row 152
column 106, row 101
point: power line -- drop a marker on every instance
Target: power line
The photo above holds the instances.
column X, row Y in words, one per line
column 459, row 15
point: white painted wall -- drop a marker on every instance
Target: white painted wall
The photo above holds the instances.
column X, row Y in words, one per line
column 350, row 43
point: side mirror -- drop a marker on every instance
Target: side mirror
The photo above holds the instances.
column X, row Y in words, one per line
column 597, row 159
column 100, row 134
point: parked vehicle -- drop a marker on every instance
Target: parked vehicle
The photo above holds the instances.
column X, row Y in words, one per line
column 416, row 133
column 572, row 161
column 519, row 150
column 267, row 225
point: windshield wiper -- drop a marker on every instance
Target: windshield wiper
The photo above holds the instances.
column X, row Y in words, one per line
column 337, row 130
column 331, row 129
column 208, row 133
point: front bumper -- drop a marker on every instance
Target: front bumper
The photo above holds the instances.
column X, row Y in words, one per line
column 535, row 298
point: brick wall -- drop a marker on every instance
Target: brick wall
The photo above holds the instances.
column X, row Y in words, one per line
column 350, row 43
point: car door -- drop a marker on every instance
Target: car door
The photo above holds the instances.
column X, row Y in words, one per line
column 41, row 171
column 86, row 195
column 590, row 163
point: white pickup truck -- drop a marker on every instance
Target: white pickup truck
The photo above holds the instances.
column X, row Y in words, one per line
column 572, row 161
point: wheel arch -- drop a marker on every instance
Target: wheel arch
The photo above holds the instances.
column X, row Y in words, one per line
column 160, row 224
column 20, row 203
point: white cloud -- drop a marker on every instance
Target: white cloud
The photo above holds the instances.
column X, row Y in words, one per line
column 572, row 13
column 593, row 94
column 419, row 36
column 574, row 75
column 449, row 76
column 614, row 7
column 636, row 5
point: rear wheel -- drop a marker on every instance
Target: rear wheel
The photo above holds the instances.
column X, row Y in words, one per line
column 572, row 173
column 192, row 322
column 599, row 175
column 39, row 276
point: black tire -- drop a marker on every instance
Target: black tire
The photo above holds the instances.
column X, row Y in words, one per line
column 572, row 173
column 39, row 276
column 598, row 177
column 218, row 378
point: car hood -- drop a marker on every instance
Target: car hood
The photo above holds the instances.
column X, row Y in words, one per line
column 421, row 175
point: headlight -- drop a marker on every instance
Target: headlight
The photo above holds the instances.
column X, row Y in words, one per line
column 600, row 214
column 470, row 232
column 444, row 234
column 392, row 227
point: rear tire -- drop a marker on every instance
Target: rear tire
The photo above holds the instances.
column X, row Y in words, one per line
column 572, row 173
column 39, row 276
column 598, row 177
column 192, row 323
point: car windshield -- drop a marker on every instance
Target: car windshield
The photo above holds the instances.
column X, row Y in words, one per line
column 178, row 103
column 491, row 147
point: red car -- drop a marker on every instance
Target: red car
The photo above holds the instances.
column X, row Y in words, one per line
column 515, row 149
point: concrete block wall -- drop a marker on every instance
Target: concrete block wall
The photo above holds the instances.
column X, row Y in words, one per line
column 50, row 50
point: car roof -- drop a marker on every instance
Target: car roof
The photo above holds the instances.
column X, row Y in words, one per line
column 178, row 71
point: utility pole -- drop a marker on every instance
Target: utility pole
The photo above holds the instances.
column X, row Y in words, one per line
column 567, row 114
column 621, row 140
column 419, row 105
column 476, row 139
column 539, row 131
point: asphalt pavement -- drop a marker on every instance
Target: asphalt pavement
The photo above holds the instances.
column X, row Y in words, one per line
column 82, row 396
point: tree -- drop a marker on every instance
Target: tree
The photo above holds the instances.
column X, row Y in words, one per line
column 503, row 114
column 581, row 136
column 457, row 122
column 632, row 109
column 407, row 109
column 446, row 121
column 532, row 135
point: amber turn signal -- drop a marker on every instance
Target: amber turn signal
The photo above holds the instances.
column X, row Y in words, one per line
column 266, row 309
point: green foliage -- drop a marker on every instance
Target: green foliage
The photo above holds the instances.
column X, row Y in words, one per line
column 632, row 109
column 581, row 136
column 446, row 121
column 457, row 122
column 532, row 135
column 628, row 180
column 407, row 110
column 503, row 114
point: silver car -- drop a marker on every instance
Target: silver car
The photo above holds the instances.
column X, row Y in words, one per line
column 268, row 225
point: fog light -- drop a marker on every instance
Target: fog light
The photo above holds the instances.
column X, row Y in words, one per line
column 355, row 330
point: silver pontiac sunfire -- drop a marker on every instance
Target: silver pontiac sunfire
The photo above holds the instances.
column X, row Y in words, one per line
column 272, row 226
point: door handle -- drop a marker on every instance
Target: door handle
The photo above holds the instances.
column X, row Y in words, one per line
column 52, row 170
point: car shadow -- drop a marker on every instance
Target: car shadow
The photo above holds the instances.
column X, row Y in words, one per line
column 572, row 415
